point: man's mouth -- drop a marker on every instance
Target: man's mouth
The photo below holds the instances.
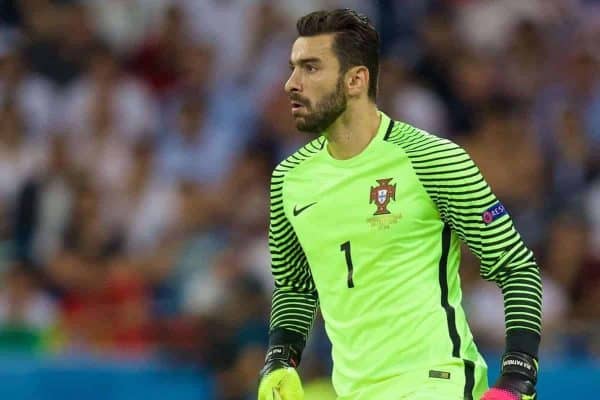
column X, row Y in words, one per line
column 296, row 105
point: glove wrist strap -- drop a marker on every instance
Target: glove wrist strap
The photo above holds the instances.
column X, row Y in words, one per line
column 284, row 354
column 521, row 364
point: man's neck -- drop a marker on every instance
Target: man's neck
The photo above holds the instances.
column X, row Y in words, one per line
column 352, row 132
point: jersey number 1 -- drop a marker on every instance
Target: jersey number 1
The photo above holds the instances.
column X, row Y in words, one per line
column 345, row 247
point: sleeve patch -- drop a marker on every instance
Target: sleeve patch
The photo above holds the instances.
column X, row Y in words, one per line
column 493, row 213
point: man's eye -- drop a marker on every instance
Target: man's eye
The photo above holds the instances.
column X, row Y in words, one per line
column 311, row 68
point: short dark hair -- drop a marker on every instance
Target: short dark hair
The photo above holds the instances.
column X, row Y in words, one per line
column 356, row 42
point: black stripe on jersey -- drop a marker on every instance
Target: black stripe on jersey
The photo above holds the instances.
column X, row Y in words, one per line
column 426, row 164
column 469, row 379
column 443, row 278
column 389, row 130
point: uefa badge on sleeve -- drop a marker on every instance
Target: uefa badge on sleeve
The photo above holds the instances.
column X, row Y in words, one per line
column 493, row 213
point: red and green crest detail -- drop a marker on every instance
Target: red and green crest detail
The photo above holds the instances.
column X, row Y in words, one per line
column 382, row 195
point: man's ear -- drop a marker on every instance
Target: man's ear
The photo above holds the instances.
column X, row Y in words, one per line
column 357, row 81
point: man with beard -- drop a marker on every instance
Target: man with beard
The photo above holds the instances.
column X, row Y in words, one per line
column 366, row 222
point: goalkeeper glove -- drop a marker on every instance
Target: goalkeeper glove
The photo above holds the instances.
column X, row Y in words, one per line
column 518, row 379
column 278, row 378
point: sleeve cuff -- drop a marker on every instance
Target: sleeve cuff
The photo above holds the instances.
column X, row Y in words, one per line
column 285, row 337
column 524, row 341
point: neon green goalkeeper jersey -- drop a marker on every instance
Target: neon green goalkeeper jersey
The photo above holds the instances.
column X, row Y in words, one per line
column 375, row 242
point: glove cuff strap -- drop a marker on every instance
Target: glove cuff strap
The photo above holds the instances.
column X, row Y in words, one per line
column 521, row 364
column 285, row 354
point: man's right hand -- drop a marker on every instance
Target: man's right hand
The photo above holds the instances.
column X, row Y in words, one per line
column 281, row 384
column 279, row 379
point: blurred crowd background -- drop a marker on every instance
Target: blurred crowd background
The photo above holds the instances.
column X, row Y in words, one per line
column 137, row 139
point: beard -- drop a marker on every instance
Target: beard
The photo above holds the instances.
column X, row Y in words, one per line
column 325, row 112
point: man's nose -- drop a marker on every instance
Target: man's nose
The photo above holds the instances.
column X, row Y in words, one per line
column 293, row 83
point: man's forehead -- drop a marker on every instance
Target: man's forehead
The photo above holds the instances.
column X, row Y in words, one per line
column 311, row 47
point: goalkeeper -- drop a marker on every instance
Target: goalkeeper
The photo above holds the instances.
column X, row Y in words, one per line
column 366, row 223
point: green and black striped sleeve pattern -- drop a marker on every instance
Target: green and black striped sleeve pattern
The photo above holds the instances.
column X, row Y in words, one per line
column 467, row 204
column 295, row 299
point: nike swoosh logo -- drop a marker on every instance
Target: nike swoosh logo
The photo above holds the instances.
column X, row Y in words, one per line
column 297, row 210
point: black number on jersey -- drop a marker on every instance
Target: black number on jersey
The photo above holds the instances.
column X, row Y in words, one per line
column 345, row 247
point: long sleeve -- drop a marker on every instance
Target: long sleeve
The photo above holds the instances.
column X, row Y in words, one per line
column 468, row 206
column 295, row 299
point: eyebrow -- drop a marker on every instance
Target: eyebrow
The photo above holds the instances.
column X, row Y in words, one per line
column 304, row 61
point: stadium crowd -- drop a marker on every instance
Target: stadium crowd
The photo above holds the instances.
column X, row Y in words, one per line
column 137, row 140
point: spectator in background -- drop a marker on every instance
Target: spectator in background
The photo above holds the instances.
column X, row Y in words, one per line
column 242, row 310
column 32, row 95
column 158, row 57
column 125, row 24
column 472, row 85
column 197, row 150
column 439, row 46
column 571, row 103
column 86, row 233
column 78, row 279
column 20, row 158
column 486, row 26
column 246, row 212
column 196, row 76
column 43, row 205
column 274, row 133
column 127, row 108
column 206, row 123
column 60, row 38
column 577, row 271
column 186, row 153
column 28, row 315
column 503, row 138
column 268, row 39
column 569, row 172
column 128, row 308
column 522, row 67
column 181, row 270
column 410, row 100
column 205, row 21
column 96, row 145
column 145, row 210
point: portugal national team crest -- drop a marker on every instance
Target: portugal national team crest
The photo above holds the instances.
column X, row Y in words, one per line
column 382, row 195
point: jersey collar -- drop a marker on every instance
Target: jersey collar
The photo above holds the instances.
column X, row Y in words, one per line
column 385, row 125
